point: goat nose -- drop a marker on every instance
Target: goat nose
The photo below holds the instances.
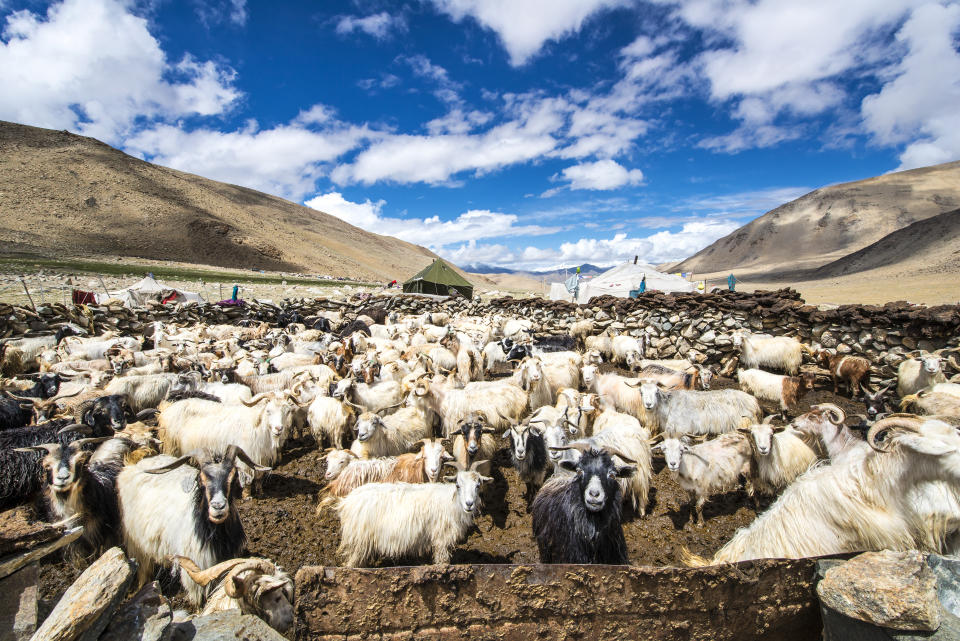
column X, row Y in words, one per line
column 593, row 492
column 218, row 504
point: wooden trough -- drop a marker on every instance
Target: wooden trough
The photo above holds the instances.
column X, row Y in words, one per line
column 767, row 599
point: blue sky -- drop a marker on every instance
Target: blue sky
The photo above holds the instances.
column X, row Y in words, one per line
column 525, row 133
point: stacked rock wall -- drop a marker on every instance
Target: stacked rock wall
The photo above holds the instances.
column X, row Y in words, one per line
column 674, row 323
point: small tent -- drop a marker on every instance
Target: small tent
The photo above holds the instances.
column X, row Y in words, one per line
column 438, row 278
column 626, row 277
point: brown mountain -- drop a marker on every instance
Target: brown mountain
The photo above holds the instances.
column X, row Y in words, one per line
column 926, row 246
column 830, row 223
column 64, row 195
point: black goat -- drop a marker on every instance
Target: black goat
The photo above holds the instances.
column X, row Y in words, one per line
column 184, row 394
column 80, row 485
column 378, row 314
column 353, row 327
column 21, row 475
column 105, row 412
column 528, row 451
column 322, row 323
column 577, row 519
column 14, row 413
column 46, row 386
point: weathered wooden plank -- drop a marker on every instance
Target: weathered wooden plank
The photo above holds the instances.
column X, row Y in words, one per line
column 11, row 564
column 85, row 608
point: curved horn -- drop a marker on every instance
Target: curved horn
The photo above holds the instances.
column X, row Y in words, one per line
column 296, row 400
column 189, row 458
column 882, row 426
column 580, row 447
column 952, row 360
column 45, row 447
column 256, row 399
column 834, row 414
column 476, row 464
column 28, row 399
column 86, row 441
column 203, row 577
column 74, row 427
column 615, row 452
column 768, row 420
column 230, row 585
column 147, row 413
column 235, row 451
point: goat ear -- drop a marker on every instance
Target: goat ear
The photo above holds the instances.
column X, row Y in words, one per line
column 925, row 445
column 505, row 434
column 626, row 471
column 570, row 466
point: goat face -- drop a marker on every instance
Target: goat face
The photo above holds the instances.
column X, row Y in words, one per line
column 472, row 428
column 468, row 489
column 809, row 379
column 706, row 376
column 274, row 606
column 649, row 394
column 673, row 450
column 49, row 385
column 762, row 436
column 337, row 460
column 596, row 475
column 219, row 481
column 931, row 364
column 633, row 360
column 277, row 415
column 589, row 375
column 518, row 435
column 62, row 465
column 107, row 411
column 876, row 403
column 367, row 426
column 555, row 436
column 434, row 456
column 518, row 352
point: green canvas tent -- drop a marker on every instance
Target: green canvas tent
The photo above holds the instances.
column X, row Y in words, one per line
column 438, row 278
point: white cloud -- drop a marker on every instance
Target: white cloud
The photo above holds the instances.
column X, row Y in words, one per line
column 212, row 12
column 663, row 246
column 406, row 158
column 286, row 160
column 525, row 25
column 601, row 175
column 431, row 232
column 93, row 66
column 920, row 105
column 378, row 25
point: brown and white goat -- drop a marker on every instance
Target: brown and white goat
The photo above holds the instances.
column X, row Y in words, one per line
column 849, row 369
column 785, row 390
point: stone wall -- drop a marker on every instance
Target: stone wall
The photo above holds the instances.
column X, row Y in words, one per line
column 674, row 323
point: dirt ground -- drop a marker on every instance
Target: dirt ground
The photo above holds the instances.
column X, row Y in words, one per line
column 282, row 524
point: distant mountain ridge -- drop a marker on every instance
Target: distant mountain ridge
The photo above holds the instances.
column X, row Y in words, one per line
column 830, row 223
column 586, row 269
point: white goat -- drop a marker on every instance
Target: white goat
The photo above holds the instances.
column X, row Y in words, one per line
column 330, row 421
column 780, row 456
column 916, row 374
column 391, row 435
column 779, row 352
column 709, row 468
column 427, row 518
column 692, row 412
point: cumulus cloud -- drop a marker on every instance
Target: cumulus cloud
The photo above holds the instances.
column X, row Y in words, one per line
column 919, row 105
column 523, row 26
column 286, row 160
column 378, row 25
column 58, row 73
column 472, row 225
column 663, row 246
column 601, row 175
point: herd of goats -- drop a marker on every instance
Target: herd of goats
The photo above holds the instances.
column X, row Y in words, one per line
column 150, row 442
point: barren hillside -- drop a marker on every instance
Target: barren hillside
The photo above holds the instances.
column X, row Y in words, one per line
column 832, row 222
column 65, row 195
column 926, row 246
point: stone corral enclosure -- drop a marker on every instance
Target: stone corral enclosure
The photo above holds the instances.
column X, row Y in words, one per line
column 674, row 323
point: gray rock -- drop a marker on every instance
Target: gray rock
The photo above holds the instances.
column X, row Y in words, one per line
column 145, row 617
column 708, row 336
column 18, row 604
column 891, row 589
column 947, row 571
column 225, row 626
column 828, row 340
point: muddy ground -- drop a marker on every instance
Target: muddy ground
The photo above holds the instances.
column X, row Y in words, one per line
column 282, row 524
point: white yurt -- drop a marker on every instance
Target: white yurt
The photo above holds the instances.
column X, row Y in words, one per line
column 621, row 280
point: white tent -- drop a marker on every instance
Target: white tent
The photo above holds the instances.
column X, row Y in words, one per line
column 622, row 279
column 148, row 289
column 558, row 291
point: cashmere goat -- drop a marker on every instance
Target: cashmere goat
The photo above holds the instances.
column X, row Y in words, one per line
column 253, row 586
column 690, row 412
column 778, row 352
column 916, row 374
column 391, row 435
column 785, row 391
column 428, row 518
column 182, row 506
column 709, row 468
column 858, row 503
column 780, row 456
column 577, row 517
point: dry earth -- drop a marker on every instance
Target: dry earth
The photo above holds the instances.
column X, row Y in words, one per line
column 283, row 524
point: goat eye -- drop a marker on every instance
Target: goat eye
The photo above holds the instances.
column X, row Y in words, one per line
column 612, row 474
